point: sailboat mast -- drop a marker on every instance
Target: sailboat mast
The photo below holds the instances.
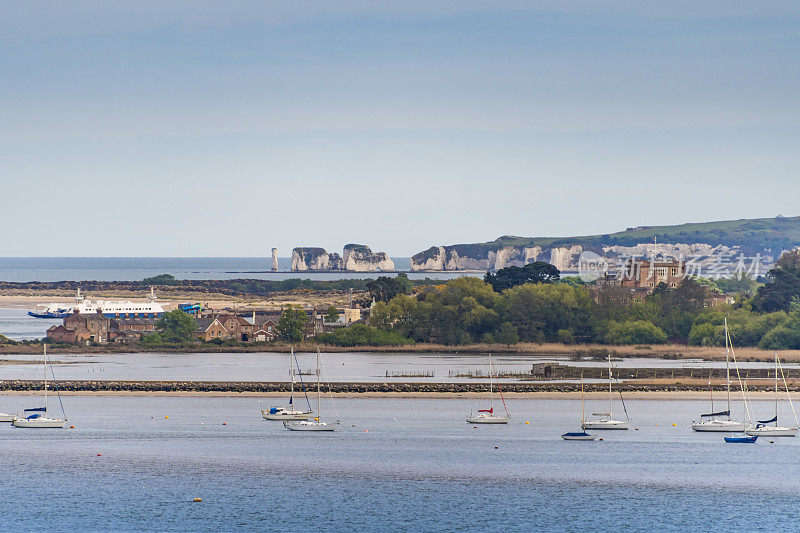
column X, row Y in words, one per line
column 583, row 404
column 318, row 385
column 45, row 380
column 291, row 367
column 776, row 389
column 491, row 389
column 727, row 366
column 610, row 401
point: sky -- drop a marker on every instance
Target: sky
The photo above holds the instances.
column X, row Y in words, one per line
column 227, row 128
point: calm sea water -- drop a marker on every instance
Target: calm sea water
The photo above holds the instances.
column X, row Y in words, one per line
column 396, row 464
column 21, row 269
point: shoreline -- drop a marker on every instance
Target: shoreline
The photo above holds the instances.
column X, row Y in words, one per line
column 362, row 390
column 585, row 351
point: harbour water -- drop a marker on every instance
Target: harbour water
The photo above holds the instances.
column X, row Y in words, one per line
column 365, row 367
column 395, row 464
column 23, row 269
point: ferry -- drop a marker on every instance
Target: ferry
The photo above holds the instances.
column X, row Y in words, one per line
column 51, row 311
column 114, row 309
column 56, row 310
column 122, row 309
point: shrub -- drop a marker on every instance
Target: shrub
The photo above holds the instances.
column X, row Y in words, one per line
column 781, row 338
column 636, row 332
column 361, row 335
column 565, row 336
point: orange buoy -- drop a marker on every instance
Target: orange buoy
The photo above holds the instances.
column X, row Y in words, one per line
column 99, row 455
column 224, row 423
column 197, row 500
column 72, row 427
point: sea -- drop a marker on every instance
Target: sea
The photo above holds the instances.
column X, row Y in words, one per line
column 24, row 269
column 137, row 463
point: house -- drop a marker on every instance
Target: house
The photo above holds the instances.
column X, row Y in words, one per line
column 647, row 274
column 209, row 328
column 265, row 328
column 82, row 328
column 127, row 330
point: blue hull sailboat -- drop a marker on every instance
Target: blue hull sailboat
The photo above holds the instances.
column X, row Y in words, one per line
column 741, row 437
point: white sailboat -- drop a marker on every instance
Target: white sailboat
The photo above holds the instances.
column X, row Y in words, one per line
column 606, row 420
column 39, row 418
column 487, row 416
column 315, row 424
column 288, row 412
column 580, row 435
column 5, row 417
column 720, row 421
column 762, row 427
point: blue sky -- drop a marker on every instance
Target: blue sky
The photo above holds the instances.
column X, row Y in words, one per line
column 225, row 128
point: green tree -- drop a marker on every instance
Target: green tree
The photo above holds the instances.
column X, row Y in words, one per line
column 540, row 311
column 332, row 315
column 384, row 288
column 507, row 335
column 177, row 326
column 292, row 324
column 536, row 272
column 783, row 284
column 161, row 279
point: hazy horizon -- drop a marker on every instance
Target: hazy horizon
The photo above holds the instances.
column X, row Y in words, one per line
column 210, row 129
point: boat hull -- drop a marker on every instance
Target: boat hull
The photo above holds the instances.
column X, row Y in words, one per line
column 607, row 424
column 286, row 415
column 41, row 422
column 306, row 425
column 578, row 436
column 48, row 315
column 488, row 420
column 719, row 426
column 772, row 431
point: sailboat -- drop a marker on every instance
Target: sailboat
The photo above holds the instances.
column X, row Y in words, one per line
column 580, row 435
column 487, row 416
column 5, row 417
column 316, row 424
column 761, row 427
column 288, row 412
column 606, row 420
column 39, row 418
column 720, row 421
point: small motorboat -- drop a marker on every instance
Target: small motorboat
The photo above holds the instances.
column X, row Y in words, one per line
column 578, row 435
column 741, row 437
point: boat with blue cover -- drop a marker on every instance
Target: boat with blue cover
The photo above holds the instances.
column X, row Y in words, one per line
column 741, row 437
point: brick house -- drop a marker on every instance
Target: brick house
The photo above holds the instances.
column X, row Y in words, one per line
column 82, row 328
column 125, row 330
column 648, row 274
column 265, row 328
column 209, row 328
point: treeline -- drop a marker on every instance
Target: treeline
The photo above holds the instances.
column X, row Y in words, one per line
column 232, row 287
column 469, row 310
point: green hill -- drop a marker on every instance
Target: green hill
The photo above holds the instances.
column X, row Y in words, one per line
column 752, row 236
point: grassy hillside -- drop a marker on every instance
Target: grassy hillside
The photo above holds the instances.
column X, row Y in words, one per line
column 752, row 235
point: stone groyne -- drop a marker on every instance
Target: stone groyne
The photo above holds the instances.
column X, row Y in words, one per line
column 352, row 388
